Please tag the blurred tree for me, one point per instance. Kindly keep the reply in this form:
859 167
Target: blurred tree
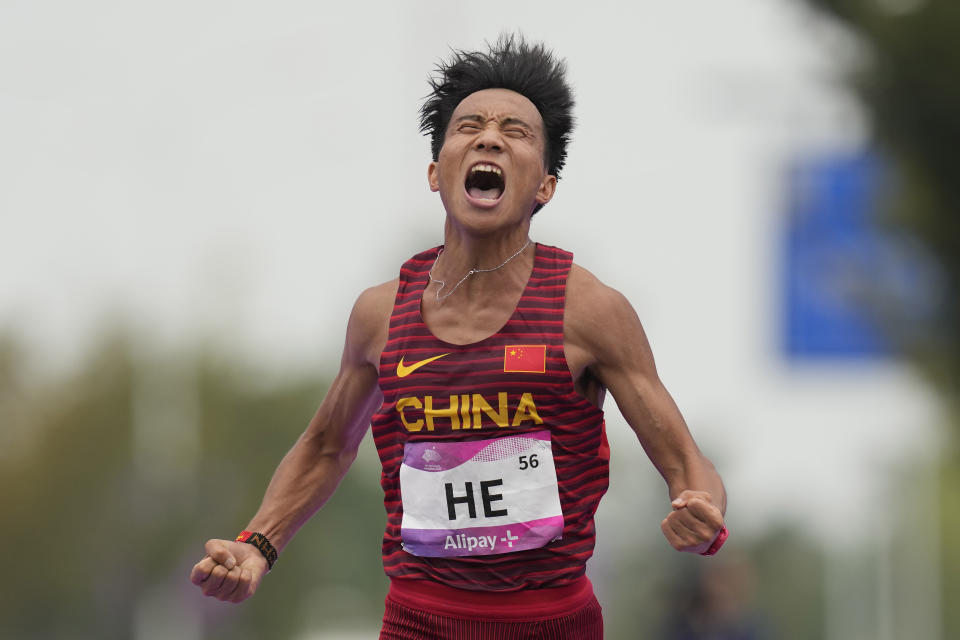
64 507
330 576
908 83
91 536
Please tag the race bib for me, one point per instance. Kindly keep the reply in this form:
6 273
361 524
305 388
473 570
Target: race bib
480 497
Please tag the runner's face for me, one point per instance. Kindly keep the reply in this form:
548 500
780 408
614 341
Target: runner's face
490 170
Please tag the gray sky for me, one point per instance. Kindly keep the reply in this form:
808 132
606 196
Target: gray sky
245 169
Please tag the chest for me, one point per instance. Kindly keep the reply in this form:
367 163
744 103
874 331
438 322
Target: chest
475 311
466 322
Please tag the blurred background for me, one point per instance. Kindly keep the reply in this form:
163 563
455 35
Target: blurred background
194 193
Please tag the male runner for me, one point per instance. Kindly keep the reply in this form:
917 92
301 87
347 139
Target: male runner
483 370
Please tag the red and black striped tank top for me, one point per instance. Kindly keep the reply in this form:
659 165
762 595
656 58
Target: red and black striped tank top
513 382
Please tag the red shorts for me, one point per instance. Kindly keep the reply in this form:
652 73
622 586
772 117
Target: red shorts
421 610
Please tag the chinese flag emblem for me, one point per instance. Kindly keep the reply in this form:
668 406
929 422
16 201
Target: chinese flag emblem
525 358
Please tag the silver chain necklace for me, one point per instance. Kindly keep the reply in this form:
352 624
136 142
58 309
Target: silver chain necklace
469 273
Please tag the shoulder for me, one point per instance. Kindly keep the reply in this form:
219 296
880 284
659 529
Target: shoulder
370 321
590 301
599 323
377 300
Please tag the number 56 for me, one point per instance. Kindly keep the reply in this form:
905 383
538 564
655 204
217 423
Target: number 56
529 461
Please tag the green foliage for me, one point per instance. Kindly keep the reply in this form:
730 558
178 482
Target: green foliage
65 506
949 534
795 603
93 535
909 87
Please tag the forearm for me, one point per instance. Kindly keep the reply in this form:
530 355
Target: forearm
313 468
695 472
305 479
603 337
664 435
311 471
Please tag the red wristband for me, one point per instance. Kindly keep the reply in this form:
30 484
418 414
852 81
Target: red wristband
717 542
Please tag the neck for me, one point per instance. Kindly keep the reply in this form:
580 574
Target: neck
464 251
499 262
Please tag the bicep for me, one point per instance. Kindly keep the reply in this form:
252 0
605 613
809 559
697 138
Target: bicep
354 396
622 360
345 413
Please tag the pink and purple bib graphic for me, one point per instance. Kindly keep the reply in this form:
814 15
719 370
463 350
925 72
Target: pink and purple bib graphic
481 497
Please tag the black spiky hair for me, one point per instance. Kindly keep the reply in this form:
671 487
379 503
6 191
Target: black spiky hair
511 63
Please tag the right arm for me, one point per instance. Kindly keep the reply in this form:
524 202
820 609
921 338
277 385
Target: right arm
311 471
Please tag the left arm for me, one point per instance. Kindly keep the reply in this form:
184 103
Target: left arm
603 339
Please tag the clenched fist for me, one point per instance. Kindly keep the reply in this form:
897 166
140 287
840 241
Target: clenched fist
694 523
231 571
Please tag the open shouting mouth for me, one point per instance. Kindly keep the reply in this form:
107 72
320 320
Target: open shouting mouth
484 184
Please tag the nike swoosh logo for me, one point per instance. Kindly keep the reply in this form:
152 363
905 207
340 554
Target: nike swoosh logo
404 370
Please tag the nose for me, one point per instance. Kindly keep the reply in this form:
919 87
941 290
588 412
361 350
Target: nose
488 139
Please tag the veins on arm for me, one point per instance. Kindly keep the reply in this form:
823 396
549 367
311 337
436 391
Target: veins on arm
345 413
605 341
313 468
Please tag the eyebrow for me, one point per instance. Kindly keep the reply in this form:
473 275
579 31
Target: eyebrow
509 120
516 121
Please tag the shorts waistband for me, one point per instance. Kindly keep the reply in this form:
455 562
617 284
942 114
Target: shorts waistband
525 604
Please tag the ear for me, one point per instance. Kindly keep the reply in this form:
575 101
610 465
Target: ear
547 187
432 178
